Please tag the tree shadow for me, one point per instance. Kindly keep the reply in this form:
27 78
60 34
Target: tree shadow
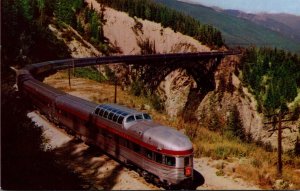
99 170
198 180
24 164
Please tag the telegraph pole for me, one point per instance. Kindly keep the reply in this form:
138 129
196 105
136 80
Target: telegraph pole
73 68
115 101
278 118
69 74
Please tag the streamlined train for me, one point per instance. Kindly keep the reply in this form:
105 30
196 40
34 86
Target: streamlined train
159 153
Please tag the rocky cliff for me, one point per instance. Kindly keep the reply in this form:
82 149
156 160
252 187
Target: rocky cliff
180 92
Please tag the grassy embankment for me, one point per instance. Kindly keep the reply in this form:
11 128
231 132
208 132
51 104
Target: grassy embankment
252 161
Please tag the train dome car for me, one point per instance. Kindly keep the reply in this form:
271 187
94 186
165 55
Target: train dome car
161 152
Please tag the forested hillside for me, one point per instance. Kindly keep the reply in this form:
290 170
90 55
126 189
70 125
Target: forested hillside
26 37
147 9
235 31
273 76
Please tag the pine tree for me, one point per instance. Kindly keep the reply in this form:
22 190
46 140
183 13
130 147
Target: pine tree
235 125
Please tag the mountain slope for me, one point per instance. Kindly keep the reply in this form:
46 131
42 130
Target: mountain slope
285 24
236 31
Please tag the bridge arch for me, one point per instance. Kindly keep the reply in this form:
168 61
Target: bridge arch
202 72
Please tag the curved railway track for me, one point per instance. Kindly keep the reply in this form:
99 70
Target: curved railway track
48 66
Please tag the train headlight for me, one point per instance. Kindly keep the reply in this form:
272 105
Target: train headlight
188 171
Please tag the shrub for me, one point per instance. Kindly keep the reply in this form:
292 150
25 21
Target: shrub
256 163
191 131
109 73
234 124
89 73
156 102
136 88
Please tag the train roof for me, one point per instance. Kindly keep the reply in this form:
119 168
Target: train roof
153 133
167 138
162 136
118 109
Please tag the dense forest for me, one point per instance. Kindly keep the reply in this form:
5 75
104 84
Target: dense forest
26 37
147 9
273 76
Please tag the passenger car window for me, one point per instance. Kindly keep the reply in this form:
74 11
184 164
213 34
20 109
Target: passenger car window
148 153
170 161
158 157
130 118
97 111
135 147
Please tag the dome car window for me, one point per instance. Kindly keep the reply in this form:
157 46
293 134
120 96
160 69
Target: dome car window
110 116
105 114
120 119
97 111
101 112
115 118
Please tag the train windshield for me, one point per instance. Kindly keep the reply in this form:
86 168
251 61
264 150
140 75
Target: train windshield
130 118
137 117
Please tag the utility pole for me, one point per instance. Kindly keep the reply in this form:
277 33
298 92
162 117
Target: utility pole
115 101
73 68
278 118
69 74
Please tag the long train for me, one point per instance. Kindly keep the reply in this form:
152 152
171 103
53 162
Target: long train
160 153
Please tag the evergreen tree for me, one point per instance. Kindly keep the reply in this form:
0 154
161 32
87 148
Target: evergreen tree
235 125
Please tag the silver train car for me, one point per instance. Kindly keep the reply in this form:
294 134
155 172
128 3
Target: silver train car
159 153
